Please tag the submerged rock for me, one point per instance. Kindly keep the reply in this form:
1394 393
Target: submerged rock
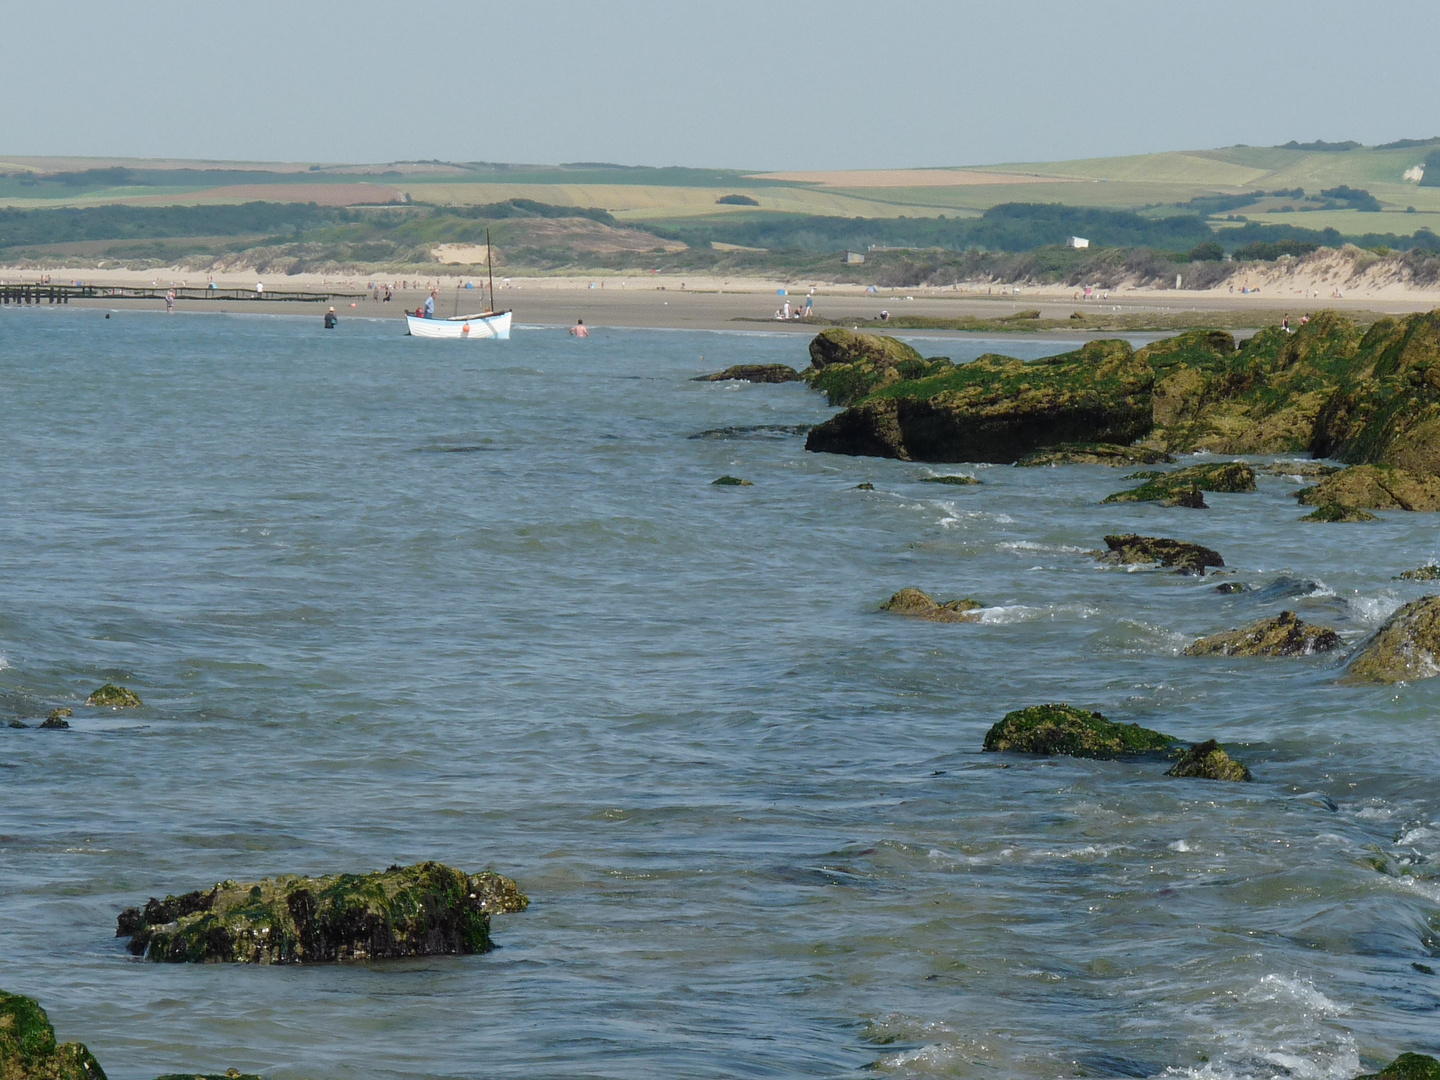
1285 635
957 481
28 1050
56 719
866 486
1206 761
1406 647
1064 729
1231 588
755 373
228 1074
920 605
1335 512
731 481
1428 572
1168 487
419 910
15 724
1095 454
113 697
1128 549
1299 468
1375 487
1407 1067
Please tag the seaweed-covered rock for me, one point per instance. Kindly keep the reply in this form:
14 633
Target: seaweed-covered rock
56 719
1407 1067
1206 761
1335 512
1231 588
1095 454
1299 468
1129 549
920 605
1375 487
1064 729
1285 635
954 481
731 481
419 910
755 373
1167 487
1428 572
847 366
998 409
1407 647
1191 498
865 486
111 696
28 1050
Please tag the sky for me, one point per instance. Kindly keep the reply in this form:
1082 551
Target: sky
750 84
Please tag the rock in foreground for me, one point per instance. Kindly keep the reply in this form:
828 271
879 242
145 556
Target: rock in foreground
920 605
755 373
1285 635
111 696
1128 549
421 910
1064 729
1375 487
1407 1067
28 1050
1096 454
1171 486
1407 647
1206 761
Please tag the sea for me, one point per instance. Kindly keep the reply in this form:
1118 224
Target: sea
388 600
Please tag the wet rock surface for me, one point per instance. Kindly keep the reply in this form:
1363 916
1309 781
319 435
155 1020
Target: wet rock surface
1064 729
1284 635
1233 476
731 481
1375 487
28 1050
920 605
1407 1067
1407 647
1428 572
954 481
1130 549
56 719
1335 512
847 366
421 910
1095 454
111 696
1207 761
755 373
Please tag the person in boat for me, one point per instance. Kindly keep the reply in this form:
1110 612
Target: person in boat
331 319
578 330
429 306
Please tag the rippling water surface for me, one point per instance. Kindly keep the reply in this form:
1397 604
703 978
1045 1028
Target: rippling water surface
388 601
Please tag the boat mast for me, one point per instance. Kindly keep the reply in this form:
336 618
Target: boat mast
490 266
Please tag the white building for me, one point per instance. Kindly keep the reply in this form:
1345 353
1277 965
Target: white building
1077 242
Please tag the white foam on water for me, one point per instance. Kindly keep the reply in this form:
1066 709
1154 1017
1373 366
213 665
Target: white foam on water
1373 609
1301 991
1031 545
1180 845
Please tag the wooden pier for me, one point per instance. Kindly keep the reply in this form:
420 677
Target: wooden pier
35 293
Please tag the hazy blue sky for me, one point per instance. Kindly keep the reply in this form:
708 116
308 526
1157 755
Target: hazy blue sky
744 83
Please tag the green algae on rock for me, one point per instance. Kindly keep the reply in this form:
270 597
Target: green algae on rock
1284 635
731 481
1129 549
1190 498
1407 1067
1231 588
56 719
1428 572
1207 761
113 697
847 366
920 605
1407 647
865 486
956 481
755 373
1375 487
1064 729
1299 468
1335 512
421 910
1215 476
1095 454
28 1050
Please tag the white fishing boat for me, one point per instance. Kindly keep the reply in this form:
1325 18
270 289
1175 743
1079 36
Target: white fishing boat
486 325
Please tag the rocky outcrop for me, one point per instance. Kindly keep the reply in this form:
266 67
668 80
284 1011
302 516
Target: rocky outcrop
419 910
1095 454
111 696
755 373
1064 729
1375 487
1169 487
1336 512
56 719
1428 572
1407 647
731 481
1407 1067
920 605
1207 761
1298 468
997 409
28 1050
847 366
1129 549
1285 635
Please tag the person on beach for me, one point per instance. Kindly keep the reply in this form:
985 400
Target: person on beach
331 319
259 288
578 330
1285 324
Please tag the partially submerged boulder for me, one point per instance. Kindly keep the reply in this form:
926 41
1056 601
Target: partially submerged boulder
1335 512
1190 498
1299 468
1064 729
1231 588
1407 1067
1428 572
731 481
1207 761
1284 635
419 910
1167 487
1407 647
56 719
28 1050
1375 487
954 480
755 373
111 696
1130 549
920 605
1095 454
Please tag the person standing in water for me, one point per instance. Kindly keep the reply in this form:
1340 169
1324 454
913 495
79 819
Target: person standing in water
331 319
578 330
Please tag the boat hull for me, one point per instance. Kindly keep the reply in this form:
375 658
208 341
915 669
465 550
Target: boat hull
463 327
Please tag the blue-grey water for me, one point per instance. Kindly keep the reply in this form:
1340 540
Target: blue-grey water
388 601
